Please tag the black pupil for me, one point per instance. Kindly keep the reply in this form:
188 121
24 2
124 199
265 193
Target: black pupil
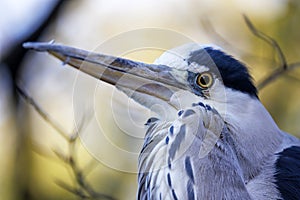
204 79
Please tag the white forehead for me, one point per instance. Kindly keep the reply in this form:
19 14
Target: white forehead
177 57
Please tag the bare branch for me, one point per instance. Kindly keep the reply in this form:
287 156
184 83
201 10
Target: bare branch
272 42
36 149
276 73
220 40
41 112
283 66
62 157
76 191
84 190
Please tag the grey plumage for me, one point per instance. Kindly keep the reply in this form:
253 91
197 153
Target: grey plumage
239 163
217 140
182 173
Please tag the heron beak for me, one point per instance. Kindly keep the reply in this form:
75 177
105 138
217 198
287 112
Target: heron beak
158 81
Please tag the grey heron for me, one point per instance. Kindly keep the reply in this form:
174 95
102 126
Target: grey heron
217 141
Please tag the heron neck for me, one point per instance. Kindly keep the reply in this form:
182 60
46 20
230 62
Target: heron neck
252 128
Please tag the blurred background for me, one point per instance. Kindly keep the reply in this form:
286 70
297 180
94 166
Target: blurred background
33 154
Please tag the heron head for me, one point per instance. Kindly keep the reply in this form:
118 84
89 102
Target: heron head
178 79
193 73
209 75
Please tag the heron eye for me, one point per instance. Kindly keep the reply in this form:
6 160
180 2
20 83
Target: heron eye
205 80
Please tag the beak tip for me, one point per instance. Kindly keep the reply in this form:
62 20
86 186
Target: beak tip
27 45
38 46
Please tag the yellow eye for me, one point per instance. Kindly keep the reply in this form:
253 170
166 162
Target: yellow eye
205 80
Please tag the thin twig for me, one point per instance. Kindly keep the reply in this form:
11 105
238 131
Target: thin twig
41 112
276 73
42 152
69 188
220 40
272 42
283 66
84 190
